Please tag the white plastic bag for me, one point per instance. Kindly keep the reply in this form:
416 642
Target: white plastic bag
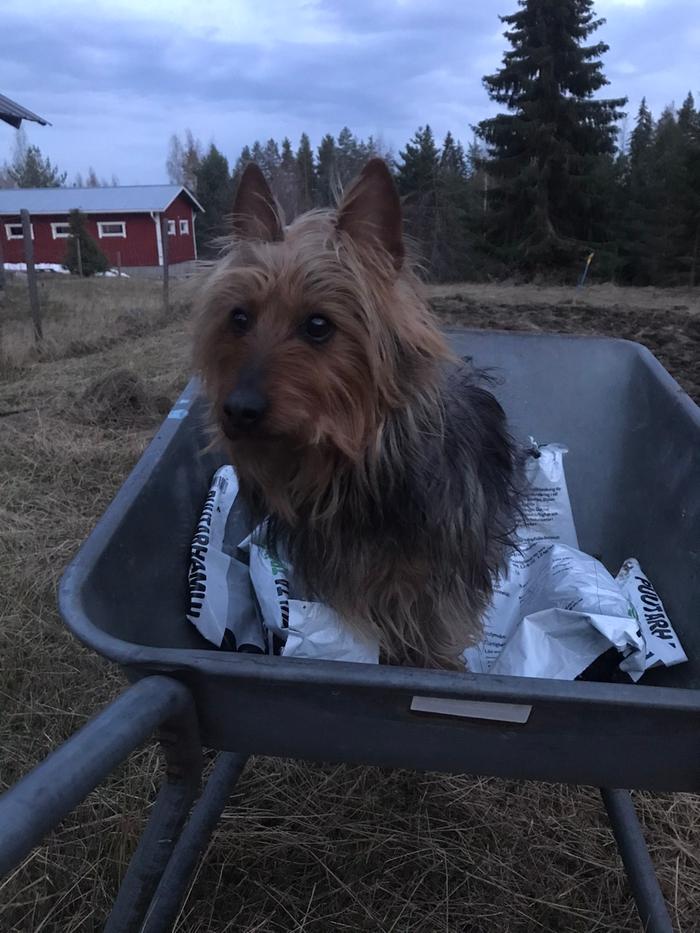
556 609
221 602
553 612
663 646
306 629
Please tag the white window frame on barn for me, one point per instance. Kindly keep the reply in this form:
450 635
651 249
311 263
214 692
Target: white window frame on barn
16 236
101 224
171 228
185 227
58 235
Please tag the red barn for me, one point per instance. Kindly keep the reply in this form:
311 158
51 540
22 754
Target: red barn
125 222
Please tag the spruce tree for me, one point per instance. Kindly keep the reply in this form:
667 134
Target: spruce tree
285 186
215 194
305 174
326 172
257 153
635 231
689 125
92 259
243 159
29 169
669 193
350 156
270 160
417 180
453 257
417 170
544 209
642 136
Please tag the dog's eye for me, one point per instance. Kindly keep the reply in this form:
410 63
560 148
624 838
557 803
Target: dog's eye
239 320
317 328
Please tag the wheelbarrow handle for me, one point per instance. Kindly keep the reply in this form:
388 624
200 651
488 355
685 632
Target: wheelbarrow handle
41 799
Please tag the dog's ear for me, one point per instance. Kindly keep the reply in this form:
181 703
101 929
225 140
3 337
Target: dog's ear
371 210
255 213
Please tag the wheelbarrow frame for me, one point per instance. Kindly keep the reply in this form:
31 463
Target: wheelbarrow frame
182 820
614 743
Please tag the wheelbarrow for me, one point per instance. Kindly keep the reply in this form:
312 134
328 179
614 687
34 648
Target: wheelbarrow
634 479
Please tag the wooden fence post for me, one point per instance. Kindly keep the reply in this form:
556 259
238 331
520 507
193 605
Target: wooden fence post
79 255
2 265
31 275
164 238
119 262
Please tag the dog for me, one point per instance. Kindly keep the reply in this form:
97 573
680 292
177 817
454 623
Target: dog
381 465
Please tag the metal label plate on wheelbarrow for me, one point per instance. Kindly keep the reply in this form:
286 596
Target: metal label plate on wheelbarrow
634 477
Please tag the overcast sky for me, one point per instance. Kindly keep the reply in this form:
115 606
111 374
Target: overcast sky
117 77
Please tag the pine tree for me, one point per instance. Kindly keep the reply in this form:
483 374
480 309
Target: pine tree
642 136
453 258
257 154
286 155
668 200
305 174
215 194
243 159
689 125
29 169
417 170
92 259
270 160
635 231
326 172
350 156
417 180
285 187
543 152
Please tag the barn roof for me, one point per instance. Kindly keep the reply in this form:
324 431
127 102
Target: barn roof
13 113
120 199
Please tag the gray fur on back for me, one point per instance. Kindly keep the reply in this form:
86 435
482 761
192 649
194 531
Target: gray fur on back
410 548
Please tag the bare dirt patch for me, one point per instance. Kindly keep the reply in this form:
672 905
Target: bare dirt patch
668 323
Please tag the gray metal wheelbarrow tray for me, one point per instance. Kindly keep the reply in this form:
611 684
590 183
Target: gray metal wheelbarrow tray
634 478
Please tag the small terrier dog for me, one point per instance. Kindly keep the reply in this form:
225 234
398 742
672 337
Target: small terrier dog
382 464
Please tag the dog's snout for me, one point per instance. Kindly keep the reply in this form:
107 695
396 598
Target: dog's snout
244 408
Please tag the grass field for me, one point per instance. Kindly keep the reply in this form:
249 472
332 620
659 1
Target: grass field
301 847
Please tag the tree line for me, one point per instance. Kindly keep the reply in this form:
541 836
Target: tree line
637 207
28 168
545 183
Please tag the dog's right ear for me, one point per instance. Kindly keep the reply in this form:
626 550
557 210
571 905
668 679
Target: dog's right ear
255 213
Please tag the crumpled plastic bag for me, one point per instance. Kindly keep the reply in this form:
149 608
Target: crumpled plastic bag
553 613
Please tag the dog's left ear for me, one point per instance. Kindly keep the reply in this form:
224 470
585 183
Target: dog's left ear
371 210
255 213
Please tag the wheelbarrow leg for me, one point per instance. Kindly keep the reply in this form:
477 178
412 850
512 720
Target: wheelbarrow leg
637 861
164 908
183 754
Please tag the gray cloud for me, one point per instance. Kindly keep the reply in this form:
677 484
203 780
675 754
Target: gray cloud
116 87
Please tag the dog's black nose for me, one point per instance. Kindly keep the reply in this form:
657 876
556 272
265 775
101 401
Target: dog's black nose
244 408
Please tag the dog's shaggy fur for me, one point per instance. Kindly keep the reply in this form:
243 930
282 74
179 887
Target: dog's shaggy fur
383 464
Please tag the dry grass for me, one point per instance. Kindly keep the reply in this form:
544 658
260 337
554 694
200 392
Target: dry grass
301 848
80 317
